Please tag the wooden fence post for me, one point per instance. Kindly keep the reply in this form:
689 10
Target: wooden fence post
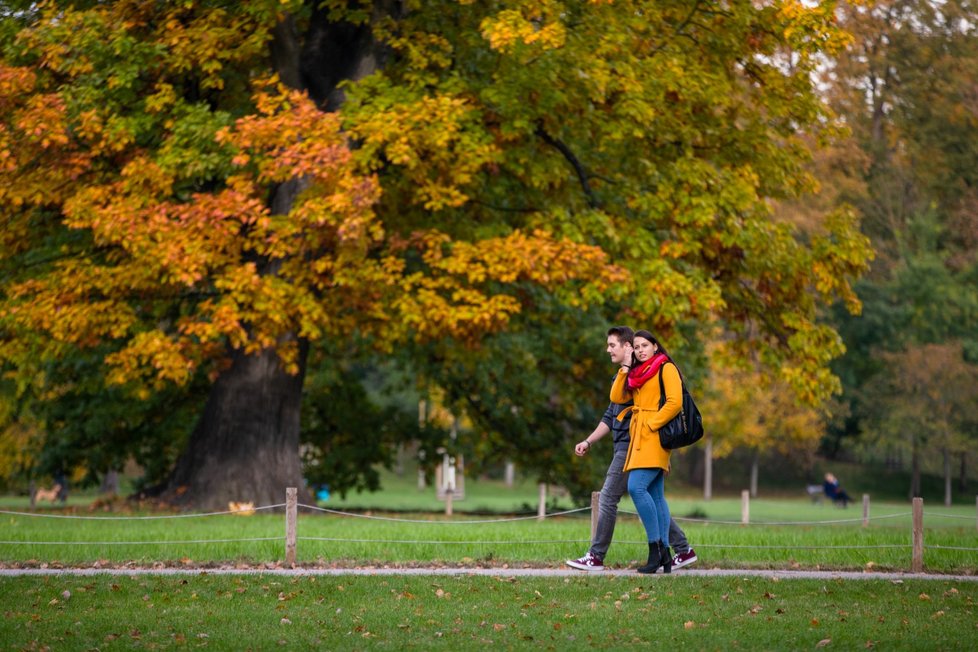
595 503
917 557
745 506
865 510
291 501
542 508
976 512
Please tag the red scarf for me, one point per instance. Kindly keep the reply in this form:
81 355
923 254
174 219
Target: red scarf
639 375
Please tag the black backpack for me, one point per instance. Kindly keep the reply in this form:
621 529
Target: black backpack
687 427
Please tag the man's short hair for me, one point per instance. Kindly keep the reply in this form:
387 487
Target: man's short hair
623 333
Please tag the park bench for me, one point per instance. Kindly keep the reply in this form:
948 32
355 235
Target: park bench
815 492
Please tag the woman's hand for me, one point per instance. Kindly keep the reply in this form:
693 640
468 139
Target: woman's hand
626 362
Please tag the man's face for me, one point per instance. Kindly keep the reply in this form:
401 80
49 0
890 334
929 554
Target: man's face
618 350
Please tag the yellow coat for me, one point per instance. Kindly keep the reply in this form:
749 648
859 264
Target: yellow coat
644 450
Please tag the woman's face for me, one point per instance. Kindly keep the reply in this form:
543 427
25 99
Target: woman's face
644 349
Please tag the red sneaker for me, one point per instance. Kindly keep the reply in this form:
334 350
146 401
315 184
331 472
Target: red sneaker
586 563
684 559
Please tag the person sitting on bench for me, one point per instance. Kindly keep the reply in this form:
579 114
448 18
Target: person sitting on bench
834 491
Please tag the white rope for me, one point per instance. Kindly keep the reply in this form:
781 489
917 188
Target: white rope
967 518
846 520
420 541
139 518
131 543
579 541
431 522
733 545
939 547
435 542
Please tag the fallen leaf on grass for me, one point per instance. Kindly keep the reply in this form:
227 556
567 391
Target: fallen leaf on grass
689 624
823 642
924 596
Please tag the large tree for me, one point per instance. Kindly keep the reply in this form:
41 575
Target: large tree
206 189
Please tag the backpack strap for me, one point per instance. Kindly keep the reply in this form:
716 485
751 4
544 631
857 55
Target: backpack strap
662 386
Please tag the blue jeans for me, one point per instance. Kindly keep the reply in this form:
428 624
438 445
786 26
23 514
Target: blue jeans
647 489
615 486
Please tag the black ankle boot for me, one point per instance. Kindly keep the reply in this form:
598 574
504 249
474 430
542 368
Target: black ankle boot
666 559
655 559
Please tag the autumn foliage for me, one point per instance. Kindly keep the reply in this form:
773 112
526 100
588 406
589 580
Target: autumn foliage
244 277
176 196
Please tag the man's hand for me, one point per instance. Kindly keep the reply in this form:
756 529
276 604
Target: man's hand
582 448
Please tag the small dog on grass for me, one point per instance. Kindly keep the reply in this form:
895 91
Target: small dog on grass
241 509
49 495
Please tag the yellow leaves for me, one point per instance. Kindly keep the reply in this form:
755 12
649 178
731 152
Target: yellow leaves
459 293
425 54
532 24
162 99
437 141
69 307
206 40
802 23
150 350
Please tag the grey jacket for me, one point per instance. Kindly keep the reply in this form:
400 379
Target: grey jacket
619 429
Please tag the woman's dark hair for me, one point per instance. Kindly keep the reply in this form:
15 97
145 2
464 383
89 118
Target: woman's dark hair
650 337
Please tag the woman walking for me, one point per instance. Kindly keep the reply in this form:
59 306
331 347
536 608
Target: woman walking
647 461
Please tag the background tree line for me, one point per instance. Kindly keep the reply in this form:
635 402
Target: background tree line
233 229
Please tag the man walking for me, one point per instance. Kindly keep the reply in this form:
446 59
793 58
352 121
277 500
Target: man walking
615 482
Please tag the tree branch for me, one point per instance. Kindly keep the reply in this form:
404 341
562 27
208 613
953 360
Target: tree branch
582 175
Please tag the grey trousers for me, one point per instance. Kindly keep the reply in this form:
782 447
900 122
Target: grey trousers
615 486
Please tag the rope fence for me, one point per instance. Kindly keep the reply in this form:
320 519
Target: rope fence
291 505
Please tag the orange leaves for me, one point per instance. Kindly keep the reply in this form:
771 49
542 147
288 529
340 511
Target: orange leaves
72 306
15 82
290 137
37 159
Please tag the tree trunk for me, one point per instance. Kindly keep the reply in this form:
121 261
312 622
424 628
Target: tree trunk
947 477
963 473
708 469
914 471
754 464
245 447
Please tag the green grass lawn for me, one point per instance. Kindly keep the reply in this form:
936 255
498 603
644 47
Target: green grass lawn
466 612
469 612
782 534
